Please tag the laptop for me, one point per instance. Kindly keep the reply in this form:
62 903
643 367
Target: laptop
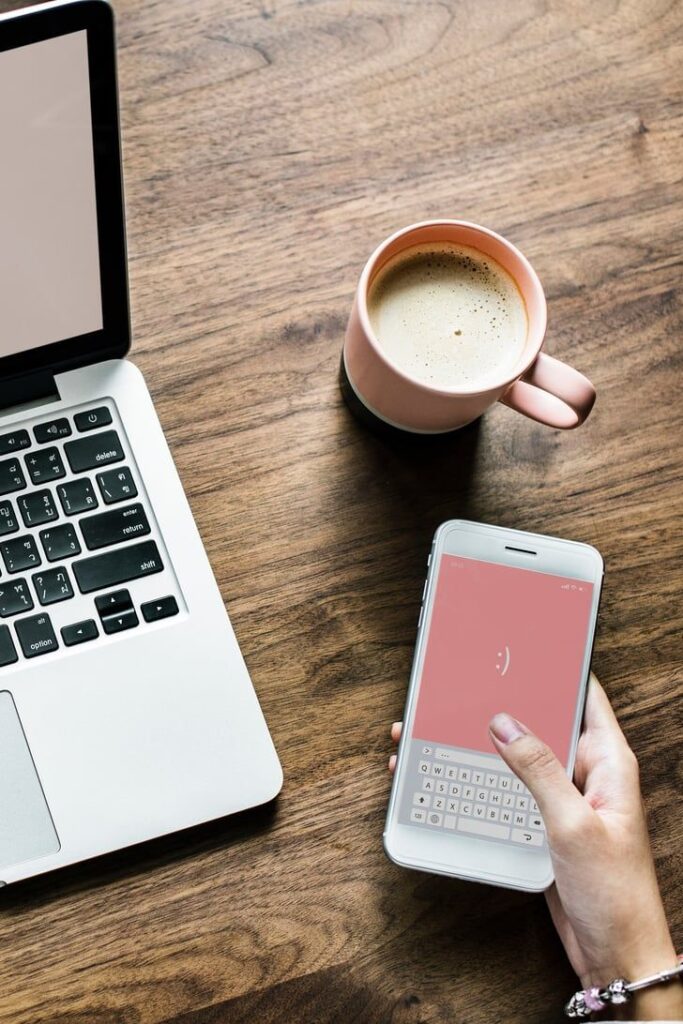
126 709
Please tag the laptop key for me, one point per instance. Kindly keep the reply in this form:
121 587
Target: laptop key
92 419
14 442
79 632
116 611
52 585
117 623
96 450
20 553
50 431
15 597
60 542
11 476
152 611
37 507
119 566
8 652
117 485
36 635
114 526
45 465
8 519
77 496
114 603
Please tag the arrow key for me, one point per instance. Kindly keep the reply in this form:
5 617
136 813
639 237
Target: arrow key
116 611
79 632
117 623
161 609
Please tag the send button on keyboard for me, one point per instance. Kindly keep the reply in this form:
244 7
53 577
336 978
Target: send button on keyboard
520 835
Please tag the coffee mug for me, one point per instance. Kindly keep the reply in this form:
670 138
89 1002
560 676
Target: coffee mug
539 386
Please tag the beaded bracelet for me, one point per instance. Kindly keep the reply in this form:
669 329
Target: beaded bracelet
590 1000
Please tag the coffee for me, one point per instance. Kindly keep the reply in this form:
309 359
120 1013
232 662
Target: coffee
448 315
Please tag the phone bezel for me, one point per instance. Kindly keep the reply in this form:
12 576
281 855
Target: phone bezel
455 854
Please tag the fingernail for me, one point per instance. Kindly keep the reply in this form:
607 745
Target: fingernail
506 728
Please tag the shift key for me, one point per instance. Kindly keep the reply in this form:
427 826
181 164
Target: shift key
118 566
94 450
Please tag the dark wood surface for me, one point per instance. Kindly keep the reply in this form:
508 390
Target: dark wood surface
268 147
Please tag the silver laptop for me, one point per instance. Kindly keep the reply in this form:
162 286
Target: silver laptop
126 710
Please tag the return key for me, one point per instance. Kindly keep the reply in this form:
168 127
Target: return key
112 527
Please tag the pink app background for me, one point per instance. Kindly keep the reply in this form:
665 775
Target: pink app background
502 639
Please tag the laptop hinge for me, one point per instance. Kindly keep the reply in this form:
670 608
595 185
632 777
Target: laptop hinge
33 389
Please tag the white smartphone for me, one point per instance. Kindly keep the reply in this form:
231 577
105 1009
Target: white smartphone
506 624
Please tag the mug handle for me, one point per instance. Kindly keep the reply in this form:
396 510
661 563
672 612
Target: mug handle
551 392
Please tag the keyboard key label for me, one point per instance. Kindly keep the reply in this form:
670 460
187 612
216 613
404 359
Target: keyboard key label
114 526
15 597
92 419
52 585
79 632
20 553
14 442
164 608
36 635
97 449
45 465
77 496
116 485
11 476
118 566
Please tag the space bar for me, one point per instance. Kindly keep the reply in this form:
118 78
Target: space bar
118 566
483 828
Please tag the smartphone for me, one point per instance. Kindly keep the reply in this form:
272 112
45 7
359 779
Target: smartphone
507 624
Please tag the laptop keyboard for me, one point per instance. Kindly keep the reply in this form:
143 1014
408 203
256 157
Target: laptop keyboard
81 556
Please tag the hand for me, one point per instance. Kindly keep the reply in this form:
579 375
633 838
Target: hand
605 902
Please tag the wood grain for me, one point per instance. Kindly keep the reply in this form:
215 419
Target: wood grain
269 145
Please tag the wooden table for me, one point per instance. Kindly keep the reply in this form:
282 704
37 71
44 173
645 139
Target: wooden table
269 145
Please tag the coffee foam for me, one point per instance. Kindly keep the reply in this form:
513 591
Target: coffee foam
448 315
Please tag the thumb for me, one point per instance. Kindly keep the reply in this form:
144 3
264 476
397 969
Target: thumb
532 761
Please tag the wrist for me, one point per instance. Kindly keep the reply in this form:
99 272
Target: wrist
637 956
636 960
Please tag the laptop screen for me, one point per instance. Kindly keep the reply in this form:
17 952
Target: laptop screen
63 269
49 255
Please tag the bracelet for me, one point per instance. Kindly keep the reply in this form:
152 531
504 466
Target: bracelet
590 1000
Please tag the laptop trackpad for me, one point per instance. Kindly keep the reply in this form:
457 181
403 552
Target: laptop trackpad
26 829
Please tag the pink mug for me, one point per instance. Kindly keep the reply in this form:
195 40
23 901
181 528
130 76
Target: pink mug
539 386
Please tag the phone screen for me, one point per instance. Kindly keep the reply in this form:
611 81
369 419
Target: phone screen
501 638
